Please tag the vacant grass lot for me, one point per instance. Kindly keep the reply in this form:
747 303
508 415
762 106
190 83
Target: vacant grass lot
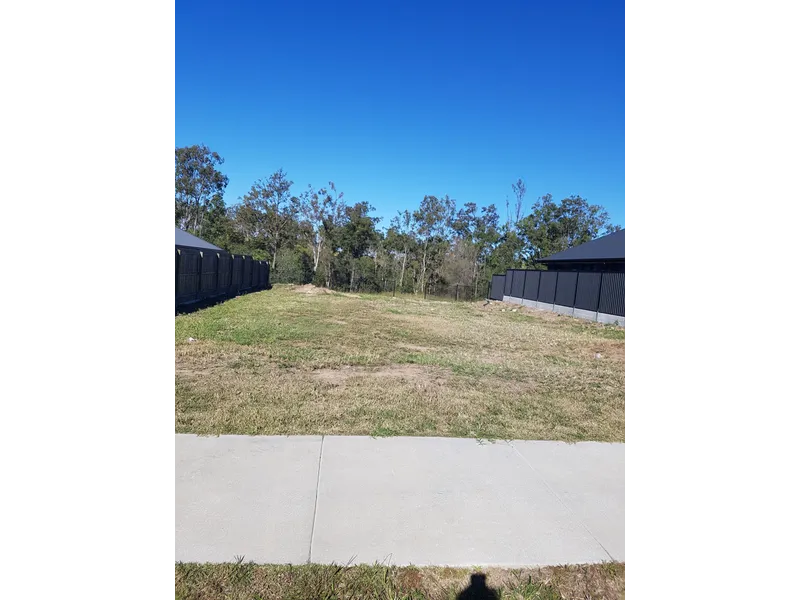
300 360
240 581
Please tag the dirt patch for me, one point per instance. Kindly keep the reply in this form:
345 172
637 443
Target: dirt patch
311 289
414 347
493 359
192 372
546 315
413 373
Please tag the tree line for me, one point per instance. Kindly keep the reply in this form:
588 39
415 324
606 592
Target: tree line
316 236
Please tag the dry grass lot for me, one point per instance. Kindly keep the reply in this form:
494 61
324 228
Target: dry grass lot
302 360
242 581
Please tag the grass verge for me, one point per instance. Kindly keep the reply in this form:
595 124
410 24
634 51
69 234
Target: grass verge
240 581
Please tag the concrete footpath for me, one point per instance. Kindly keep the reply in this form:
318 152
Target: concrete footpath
402 500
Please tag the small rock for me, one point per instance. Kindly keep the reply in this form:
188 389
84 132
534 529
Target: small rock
598 355
513 310
191 340
502 310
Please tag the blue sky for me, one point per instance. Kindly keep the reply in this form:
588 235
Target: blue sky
395 100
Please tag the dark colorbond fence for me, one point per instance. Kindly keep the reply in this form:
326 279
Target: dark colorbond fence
211 275
596 296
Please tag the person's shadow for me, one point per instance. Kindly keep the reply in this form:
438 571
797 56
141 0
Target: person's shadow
478 590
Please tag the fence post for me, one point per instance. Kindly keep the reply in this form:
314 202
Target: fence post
538 287
489 290
524 283
200 276
599 297
575 295
177 276
555 292
456 292
216 276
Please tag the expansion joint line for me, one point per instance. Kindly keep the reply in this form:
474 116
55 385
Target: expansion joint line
316 498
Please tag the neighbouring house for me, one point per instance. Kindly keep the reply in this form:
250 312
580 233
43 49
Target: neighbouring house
605 254
587 281
184 239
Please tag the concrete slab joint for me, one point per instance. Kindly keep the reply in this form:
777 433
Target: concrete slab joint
424 501
563 310
589 315
610 319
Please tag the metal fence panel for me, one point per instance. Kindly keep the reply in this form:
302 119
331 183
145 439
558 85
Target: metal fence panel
247 273
188 279
208 275
547 287
531 291
261 271
507 284
612 294
565 291
237 264
223 273
518 284
587 296
256 274
498 285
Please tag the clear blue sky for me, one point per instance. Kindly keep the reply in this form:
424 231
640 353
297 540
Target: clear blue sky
395 100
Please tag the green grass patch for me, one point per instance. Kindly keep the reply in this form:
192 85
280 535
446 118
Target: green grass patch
287 362
247 581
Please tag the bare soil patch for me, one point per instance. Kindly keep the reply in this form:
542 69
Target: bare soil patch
311 289
414 347
412 373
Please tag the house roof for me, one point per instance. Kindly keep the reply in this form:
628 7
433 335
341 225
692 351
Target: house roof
183 238
606 248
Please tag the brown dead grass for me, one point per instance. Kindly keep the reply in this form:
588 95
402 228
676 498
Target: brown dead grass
310 289
242 581
278 362
412 373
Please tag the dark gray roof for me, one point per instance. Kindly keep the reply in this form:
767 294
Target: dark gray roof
187 239
608 247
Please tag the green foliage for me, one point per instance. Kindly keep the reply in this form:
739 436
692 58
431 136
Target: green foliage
199 187
292 266
552 227
317 237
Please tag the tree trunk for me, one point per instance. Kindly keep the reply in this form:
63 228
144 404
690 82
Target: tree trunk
424 271
317 252
196 216
352 275
403 270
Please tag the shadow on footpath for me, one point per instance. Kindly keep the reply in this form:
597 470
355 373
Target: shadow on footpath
478 590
